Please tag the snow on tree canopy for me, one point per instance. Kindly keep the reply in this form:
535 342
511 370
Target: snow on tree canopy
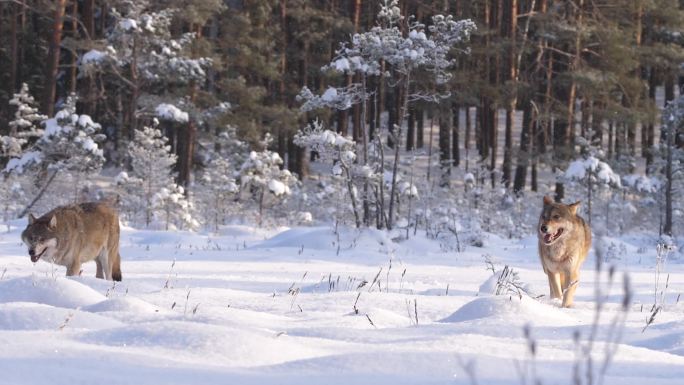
93 56
261 170
386 43
69 142
338 98
121 177
641 183
27 116
329 145
341 65
142 37
25 125
316 138
278 188
172 113
27 159
600 171
329 95
408 189
128 24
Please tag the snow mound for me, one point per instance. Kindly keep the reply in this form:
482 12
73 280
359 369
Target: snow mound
506 308
33 316
381 319
420 246
672 343
235 347
59 292
149 237
489 286
669 338
323 238
247 233
311 238
124 304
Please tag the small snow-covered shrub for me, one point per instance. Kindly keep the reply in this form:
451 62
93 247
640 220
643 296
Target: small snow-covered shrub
216 190
341 152
593 174
262 180
149 194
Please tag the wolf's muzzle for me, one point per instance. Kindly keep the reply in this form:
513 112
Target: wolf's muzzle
34 257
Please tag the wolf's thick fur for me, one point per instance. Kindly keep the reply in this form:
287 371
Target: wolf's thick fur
74 234
564 242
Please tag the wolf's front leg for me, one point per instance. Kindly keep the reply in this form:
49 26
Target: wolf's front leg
74 269
554 284
569 288
103 260
99 273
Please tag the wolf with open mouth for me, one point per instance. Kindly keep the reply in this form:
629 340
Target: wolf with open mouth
564 242
74 234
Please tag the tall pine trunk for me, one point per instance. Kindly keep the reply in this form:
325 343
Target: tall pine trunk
420 127
456 126
411 130
14 49
466 139
88 21
524 153
73 69
356 112
648 139
52 69
445 128
513 101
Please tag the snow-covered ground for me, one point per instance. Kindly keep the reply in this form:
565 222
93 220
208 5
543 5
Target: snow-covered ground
254 306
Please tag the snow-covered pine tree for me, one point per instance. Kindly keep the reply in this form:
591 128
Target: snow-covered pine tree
423 49
27 119
174 209
68 149
216 188
154 66
142 38
12 198
149 194
261 177
338 149
25 128
229 146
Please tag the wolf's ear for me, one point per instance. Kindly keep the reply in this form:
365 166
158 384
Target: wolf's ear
547 201
53 222
31 219
573 207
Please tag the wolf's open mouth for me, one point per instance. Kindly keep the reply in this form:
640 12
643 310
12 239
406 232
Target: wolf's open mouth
549 238
35 258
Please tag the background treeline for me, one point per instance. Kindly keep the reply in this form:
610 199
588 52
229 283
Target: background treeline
548 71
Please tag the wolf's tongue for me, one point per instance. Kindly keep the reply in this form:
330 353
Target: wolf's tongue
547 237
36 257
